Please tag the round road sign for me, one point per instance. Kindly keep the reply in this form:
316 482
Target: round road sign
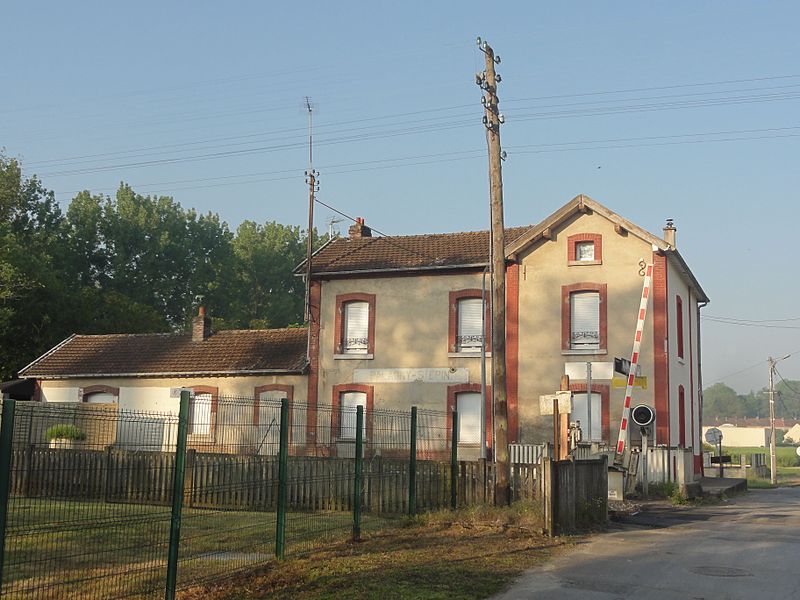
643 415
713 435
797 451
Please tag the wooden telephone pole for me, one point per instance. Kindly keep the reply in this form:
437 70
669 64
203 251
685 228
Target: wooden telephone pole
313 188
492 119
773 463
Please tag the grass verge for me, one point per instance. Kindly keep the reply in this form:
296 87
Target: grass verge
469 554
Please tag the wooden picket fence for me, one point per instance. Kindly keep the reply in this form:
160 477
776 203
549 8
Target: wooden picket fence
250 482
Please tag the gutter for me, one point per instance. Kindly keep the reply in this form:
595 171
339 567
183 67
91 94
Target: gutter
172 374
700 373
399 270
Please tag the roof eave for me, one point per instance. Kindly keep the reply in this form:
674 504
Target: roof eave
322 274
46 354
674 255
299 269
212 373
581 203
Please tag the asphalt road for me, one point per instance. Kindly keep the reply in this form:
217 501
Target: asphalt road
745 548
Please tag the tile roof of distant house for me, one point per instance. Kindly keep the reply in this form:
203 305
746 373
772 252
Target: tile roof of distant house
231 352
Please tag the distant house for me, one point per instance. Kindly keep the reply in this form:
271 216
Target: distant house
146 373
793 434
733 436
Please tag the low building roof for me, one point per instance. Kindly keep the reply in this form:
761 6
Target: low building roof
231 352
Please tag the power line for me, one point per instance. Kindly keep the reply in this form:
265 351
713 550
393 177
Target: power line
615 110
791 387
753 366
740 324
654 88
754 320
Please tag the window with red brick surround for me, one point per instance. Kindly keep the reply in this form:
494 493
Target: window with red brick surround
339 338
574 240
679 324
452 326
452 397
566 316
272 387
214 392
336 402
605 393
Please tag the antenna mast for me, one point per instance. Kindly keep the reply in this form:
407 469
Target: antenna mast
311 180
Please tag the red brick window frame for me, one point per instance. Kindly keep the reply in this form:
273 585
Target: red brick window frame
681 417
605 394
272 387
336 403
339 339
99 389
452 326
679 323
566 313
452 401
572 245
212 427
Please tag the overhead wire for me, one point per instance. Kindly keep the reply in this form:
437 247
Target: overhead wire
521 117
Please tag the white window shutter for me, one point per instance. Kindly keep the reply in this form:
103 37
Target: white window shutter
200 414
468 405
348 403
585 320
356 327
267 434
469 324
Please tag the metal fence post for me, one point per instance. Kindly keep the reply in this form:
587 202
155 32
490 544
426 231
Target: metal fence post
454 463
412 466
177 497
6 440
283 464
359 466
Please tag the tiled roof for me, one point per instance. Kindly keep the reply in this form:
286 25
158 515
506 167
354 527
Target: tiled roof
164 354
407 252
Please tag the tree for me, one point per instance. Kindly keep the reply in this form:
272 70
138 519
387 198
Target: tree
31 293
721 401
268 294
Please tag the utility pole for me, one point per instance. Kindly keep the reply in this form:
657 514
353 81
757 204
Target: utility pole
492 120
313 188
773 462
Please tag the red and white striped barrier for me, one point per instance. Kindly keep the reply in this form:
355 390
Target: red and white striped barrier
637 342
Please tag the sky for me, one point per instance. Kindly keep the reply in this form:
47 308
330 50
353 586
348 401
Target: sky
682 110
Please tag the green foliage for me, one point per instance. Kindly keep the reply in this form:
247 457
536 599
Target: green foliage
132 264
721 403
669 490
65 431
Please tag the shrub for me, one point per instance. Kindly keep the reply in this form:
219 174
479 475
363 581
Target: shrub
65 432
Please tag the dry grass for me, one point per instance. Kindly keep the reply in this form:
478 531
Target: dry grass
467 554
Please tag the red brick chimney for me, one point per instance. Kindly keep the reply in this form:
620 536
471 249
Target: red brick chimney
359 230
201 326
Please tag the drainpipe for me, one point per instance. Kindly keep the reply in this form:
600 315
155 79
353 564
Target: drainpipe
483 363
700 380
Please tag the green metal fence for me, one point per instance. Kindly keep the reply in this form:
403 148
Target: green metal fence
143 503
